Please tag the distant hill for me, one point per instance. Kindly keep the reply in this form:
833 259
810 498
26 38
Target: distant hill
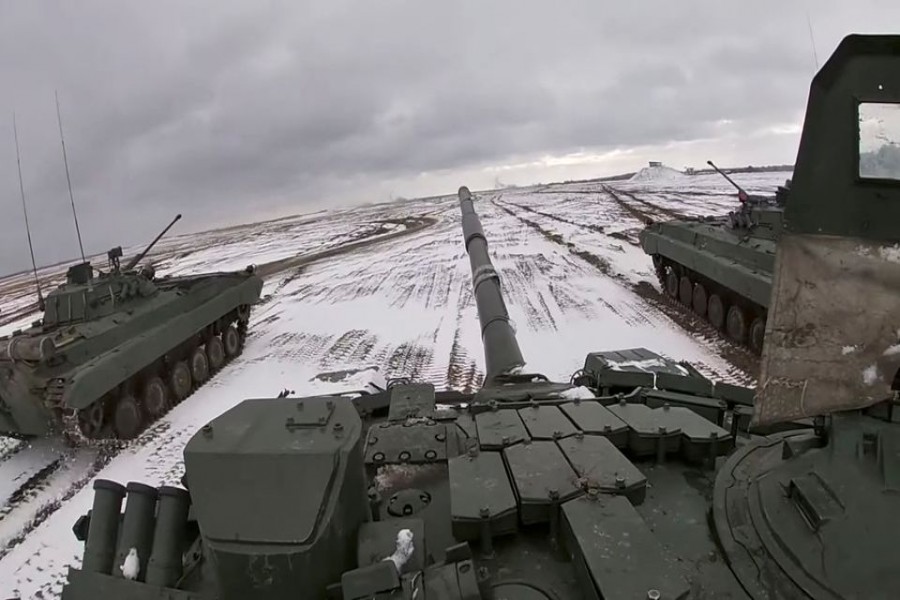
657 173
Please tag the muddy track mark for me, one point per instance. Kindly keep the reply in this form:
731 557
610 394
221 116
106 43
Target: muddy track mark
745 363
408 360
10 448
594 228
105 455
744 360
458 360
471 379
635 212
601 264
666 211
272 268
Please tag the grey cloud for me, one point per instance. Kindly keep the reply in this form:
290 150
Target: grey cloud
230 109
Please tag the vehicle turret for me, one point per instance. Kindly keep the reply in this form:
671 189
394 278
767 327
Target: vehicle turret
115 350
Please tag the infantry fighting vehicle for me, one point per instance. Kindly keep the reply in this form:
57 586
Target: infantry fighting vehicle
115 350
721 266
637 480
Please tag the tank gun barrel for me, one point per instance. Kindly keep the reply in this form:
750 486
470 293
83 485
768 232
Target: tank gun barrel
742 194
134 261
501 349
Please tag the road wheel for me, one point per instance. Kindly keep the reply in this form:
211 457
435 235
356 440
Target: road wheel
215 352
180 381
232 341
757 334
199 366
659 268
128 417
736 324
715 312
685 290
698 300
90 420
671 283
156 398
243 312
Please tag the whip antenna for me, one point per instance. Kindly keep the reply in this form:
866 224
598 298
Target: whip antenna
37 282
68 179
812 40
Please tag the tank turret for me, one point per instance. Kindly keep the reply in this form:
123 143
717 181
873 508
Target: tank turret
639 478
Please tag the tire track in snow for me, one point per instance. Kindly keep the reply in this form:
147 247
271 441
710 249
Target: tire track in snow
588 226
740 369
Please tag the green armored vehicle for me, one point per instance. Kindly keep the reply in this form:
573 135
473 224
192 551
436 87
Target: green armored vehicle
115 350
637 480
721 266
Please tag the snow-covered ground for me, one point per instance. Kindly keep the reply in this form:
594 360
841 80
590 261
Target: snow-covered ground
402 307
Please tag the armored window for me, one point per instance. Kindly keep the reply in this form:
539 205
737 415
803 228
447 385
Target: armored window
879 140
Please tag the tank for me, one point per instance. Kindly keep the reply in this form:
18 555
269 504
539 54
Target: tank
720 267
638 478
115 350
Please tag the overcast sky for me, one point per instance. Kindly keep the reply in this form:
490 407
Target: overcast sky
236 111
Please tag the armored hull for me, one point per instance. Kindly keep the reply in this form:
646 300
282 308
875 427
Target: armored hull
113 354
720 271
720 267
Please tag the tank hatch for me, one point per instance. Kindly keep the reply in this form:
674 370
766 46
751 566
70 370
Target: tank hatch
287 468
819 520
246 454
608 539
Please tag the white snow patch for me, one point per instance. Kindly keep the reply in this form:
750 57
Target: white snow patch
849 350
131 565
870 375
370 380
460 406
578 393
404 549
645 365
891 253
892 350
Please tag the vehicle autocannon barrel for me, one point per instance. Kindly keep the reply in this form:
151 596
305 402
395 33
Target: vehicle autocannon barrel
23 347
501 349
134 261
